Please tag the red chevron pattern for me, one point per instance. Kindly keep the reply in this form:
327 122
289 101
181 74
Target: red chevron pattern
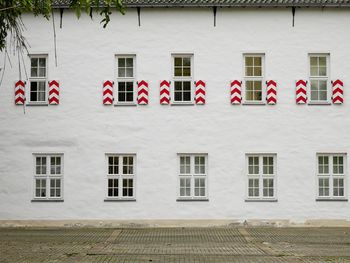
236 94
142 92
164 92
300 91
200 92
271 92
338 93
19 92
108 92
54 92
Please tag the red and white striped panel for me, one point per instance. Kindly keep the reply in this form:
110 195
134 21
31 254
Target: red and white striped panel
271 92
108 92
236 92
142 92
164 92
19 92
200 92
54 92
338 92
300 91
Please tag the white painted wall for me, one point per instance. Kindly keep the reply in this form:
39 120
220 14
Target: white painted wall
84 130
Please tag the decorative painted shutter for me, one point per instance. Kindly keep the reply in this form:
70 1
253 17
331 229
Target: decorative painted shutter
271 92
236 94
19 92
142 92
54 92
200 92
108 92
300 91
165 92
337 93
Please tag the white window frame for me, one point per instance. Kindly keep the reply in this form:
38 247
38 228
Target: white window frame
325 78
37 79
176 78
48 176
125 79
331 176
254 78
120 176
192 176
261 176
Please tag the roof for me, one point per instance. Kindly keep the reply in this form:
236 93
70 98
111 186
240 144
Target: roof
223 3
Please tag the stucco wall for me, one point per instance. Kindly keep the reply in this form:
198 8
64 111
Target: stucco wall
84 130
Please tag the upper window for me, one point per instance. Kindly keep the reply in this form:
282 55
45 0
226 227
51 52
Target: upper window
261 172
182 79
38 79
120 176
48 176
192 176
253 77
126 80
331 171
319 74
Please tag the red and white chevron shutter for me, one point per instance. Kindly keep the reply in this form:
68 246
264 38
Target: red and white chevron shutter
164 92
300 91
54 92
108 92
338 92
200 92
271 92
142 92
236 92
19 92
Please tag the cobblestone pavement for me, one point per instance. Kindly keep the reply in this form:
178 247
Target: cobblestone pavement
224 244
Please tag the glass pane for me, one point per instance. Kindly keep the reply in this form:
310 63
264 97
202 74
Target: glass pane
178 72
34 72
121 62
257 61
186 72
248 61
178 61
257 71
130 62
322 71
34 62
313 61
42 62
249 71
322 61
314 71
121 72
129 72
42 72
186 62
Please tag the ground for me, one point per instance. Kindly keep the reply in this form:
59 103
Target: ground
221 244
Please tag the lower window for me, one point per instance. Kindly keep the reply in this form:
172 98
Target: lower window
48 176
120 176
261 173
331 176
192 176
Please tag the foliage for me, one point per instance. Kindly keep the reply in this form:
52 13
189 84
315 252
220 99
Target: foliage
12 26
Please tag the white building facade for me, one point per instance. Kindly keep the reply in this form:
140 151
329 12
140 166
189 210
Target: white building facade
181 113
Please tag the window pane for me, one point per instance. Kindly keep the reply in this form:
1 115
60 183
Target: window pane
248 61
186 62
121 72
130 62
121 62
178 61
186 71
129 72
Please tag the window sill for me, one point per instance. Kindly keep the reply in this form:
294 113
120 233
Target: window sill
125 104
311 103
261 200
331 200
47 200
192 200
119 200
254 103
182 104
37 104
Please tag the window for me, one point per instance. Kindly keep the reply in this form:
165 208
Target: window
319 78
261 171
182 79
38 80
192 176
253 77
331 171
126 80
48 176
120 176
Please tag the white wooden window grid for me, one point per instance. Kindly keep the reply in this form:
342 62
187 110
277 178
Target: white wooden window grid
182 85
38 81
192 176
121 176
261 176
126 80
331 176
254 91
48 176
319 84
